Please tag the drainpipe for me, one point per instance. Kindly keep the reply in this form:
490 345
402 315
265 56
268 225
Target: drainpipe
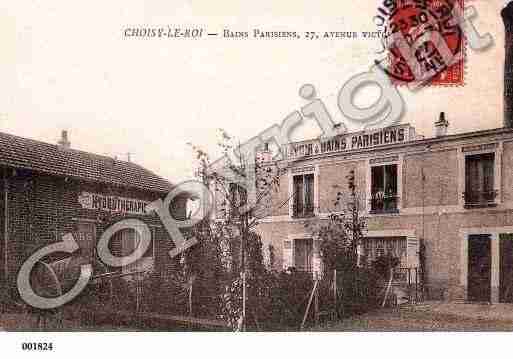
6 223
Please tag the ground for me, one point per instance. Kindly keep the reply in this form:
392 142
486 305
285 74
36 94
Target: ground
431 317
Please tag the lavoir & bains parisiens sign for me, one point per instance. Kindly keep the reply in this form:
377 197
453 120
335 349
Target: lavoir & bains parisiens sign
351 141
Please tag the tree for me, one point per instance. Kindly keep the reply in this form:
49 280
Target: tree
340 237
342 233
242 187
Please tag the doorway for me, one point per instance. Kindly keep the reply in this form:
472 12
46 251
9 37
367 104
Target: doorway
479 268
506 268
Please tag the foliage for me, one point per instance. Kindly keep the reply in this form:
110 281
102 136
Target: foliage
341 234
242 188
287 299
383 264
358 292
231 310
255 273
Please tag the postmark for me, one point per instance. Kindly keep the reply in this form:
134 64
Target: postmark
430 30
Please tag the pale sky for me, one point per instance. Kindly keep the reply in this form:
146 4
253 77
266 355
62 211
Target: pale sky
66 65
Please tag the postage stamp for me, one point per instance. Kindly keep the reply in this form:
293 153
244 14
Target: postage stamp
428 27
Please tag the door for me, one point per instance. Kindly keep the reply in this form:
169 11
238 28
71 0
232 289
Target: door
3 257
479 268
506 268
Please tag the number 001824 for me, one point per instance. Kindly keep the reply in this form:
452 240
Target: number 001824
37 346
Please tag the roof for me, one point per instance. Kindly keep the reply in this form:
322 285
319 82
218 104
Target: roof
20 152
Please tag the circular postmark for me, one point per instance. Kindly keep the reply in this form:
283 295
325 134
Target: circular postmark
428 28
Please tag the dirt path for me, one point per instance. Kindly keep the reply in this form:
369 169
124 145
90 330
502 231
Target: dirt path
417 319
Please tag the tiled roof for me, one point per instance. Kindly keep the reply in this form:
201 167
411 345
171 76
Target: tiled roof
52 159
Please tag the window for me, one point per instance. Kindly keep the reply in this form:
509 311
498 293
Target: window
85 236
479 180
303 254
384 188
303 187
125 242
237 196
377 247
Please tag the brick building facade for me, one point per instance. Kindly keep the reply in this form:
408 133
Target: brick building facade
49 190
451 195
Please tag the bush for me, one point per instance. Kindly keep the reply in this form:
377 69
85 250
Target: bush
383 264
282 298
357 291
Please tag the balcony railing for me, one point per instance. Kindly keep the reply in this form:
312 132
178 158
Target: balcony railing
475 199
303 211
384 203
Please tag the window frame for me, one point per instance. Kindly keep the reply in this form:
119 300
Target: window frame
238 197
480 149
289 255
380 162
93 224
304 171
306 212
311 255
122 248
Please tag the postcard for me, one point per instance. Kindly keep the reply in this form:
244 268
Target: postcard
272 166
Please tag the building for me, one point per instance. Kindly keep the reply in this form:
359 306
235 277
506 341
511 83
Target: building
50 190
453 194
444 203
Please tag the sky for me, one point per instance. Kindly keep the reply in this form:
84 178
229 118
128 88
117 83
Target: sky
67 66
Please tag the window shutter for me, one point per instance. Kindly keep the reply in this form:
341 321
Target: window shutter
488 172
412 253
287 254
298 195
85 237
309 192
316 257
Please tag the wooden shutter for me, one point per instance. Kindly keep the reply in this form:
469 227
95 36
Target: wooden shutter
472 181
288 252
86 239
316 260
412 251
309 192
488 172
298 195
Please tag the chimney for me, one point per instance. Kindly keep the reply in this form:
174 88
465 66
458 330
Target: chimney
63 142
441 126
507 17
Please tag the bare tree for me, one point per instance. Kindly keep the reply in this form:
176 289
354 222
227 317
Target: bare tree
243 188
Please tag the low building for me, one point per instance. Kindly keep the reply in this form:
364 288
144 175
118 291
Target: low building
50 190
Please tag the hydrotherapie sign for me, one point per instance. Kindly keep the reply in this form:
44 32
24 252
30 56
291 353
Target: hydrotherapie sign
352 141
112 203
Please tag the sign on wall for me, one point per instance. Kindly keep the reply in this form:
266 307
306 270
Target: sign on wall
112 203
352 141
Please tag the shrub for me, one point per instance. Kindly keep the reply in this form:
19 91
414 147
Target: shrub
383 264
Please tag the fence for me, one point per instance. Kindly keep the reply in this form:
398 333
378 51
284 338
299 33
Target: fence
335 297
276 301
408 285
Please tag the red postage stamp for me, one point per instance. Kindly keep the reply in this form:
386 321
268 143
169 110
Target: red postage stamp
424 41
